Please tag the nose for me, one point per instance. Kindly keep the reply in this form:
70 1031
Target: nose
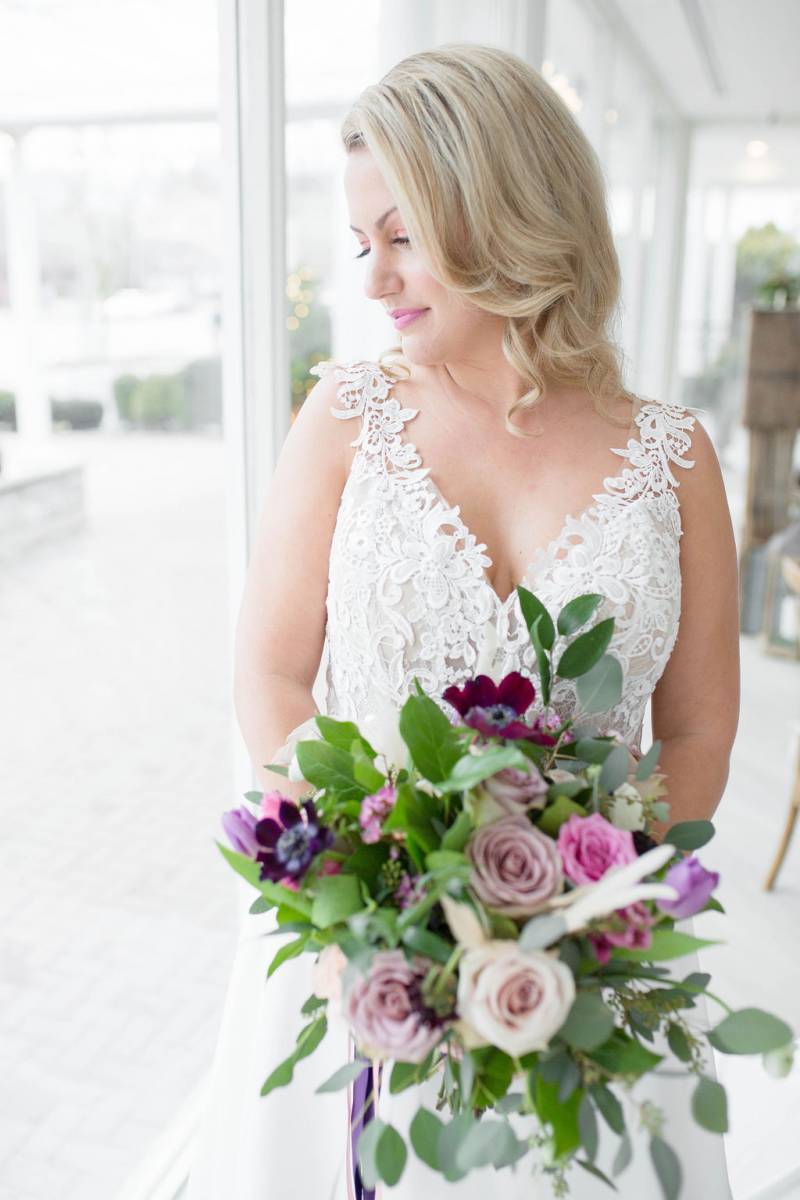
382 277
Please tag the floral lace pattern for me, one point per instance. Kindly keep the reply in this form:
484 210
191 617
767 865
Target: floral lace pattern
408 595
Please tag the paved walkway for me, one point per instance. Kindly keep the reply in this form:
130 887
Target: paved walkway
117 910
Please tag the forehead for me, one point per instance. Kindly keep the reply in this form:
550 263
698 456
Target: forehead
368 196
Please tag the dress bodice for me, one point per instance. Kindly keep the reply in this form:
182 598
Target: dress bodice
408 594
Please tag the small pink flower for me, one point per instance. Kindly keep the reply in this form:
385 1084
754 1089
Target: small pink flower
590 846
374 809
637 934
330 866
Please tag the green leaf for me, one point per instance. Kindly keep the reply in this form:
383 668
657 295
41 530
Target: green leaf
367 1151
593 1169
582 654
367 776
307 1041
600 688
366 862
472 769
710 1105
342 734
487 1142
312 1004
442 859
405 1074
542 659
390 1155
587 1124
690 835
593 750
609 1106
290 950
533 610
557 813
280 895
622 1055
434 743
665 944
678 1043
450 1139
589 1023
668 1167
337 897
648 762
623 1156
457 836
562 1116
248 868
276 768
495 1070
329 767
427 943
615 769
750 1031
341 1078
578 612
425 1130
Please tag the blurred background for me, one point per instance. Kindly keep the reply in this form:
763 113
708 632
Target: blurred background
174 257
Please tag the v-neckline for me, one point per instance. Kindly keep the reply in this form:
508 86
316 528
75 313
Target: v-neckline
586 515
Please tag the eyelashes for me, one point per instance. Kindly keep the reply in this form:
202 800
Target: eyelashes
403 242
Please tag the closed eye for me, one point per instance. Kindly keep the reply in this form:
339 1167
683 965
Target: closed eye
403 242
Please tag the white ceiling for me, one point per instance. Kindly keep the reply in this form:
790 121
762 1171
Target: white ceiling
720 60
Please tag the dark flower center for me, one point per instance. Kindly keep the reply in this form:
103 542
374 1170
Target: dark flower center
292 844
495 714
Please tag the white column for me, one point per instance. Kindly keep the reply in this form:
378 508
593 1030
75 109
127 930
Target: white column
255 356
22 247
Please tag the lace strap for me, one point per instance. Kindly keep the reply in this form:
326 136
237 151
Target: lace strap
365 391
664 439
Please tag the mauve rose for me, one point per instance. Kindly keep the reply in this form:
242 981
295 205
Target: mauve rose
693 883
514 999
385 1009
590 846
516 789
516 868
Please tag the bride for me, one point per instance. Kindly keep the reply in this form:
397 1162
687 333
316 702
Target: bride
479 216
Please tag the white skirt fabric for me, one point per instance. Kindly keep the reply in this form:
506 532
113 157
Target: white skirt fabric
292 1144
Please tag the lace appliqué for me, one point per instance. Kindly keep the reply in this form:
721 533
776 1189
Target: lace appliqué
408 593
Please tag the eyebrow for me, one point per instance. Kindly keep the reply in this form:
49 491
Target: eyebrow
380 220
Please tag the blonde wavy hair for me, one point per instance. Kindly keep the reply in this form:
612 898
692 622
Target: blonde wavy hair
504 197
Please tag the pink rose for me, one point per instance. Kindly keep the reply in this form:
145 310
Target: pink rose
636 935
386 1012
512 998
516 867
590 846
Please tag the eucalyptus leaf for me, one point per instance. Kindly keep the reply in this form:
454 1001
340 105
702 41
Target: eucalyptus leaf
750 1031
690 835
609 1106
667 1167
649 761
615 769
589 1023
587 1124
624 1155
425 1130
710 1105
344 1076
600 688
367 1151
390 1155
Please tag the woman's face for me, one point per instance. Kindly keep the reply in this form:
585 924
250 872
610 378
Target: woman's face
450 329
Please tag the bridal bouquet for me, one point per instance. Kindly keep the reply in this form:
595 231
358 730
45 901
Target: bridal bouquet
490 912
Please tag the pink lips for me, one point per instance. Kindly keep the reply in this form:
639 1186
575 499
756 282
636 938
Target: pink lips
406 316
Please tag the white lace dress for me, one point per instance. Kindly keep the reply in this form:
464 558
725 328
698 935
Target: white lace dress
409 596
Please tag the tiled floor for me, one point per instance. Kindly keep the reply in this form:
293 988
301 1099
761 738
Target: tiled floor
117 909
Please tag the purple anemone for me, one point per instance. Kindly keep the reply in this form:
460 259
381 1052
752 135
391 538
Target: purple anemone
494 708
291 842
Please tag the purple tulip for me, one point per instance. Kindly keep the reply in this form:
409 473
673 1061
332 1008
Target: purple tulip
693 883
240 829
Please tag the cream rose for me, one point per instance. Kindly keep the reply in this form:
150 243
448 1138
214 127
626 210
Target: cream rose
514 999
326 973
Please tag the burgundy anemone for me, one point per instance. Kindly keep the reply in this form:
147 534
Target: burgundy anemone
494 708
290 842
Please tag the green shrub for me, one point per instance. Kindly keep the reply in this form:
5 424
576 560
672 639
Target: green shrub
8 411
77 414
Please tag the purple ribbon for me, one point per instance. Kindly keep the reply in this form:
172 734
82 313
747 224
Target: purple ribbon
361 1111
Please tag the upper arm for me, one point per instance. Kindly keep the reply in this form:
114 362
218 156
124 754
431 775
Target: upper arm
698 692
281 622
